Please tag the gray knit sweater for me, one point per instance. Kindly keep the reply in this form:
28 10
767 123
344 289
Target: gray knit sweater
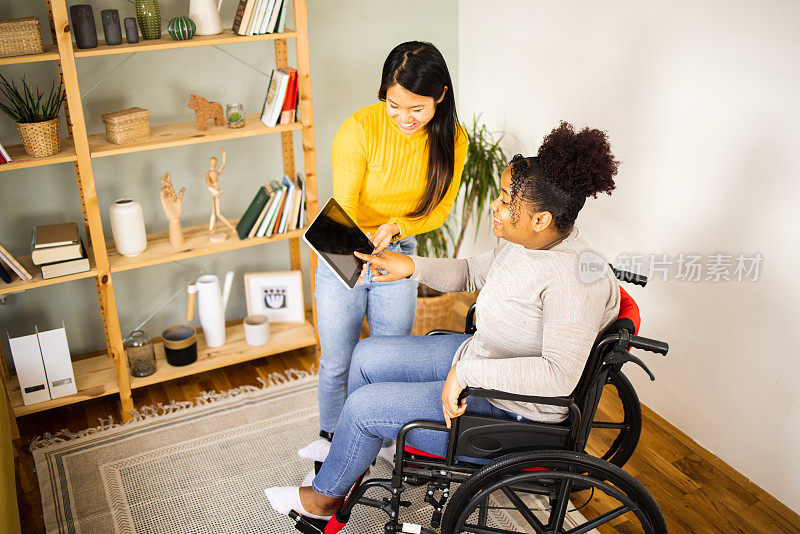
536 319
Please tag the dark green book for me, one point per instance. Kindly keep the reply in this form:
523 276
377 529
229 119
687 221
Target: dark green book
253 211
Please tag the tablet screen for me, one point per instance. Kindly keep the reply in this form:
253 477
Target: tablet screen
334 236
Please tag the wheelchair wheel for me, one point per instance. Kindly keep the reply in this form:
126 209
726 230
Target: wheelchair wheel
615 439
535 492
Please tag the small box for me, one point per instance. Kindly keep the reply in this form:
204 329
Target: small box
127 125
30 368
20 37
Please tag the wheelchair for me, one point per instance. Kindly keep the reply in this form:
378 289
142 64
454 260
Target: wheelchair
539 472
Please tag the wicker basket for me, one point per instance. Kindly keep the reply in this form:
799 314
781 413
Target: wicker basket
19 37
127 125
434 312
41 139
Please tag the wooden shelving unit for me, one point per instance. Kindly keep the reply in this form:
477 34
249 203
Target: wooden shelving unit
106 372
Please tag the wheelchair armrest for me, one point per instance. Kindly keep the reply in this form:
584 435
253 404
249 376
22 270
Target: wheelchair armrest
503 395
441 331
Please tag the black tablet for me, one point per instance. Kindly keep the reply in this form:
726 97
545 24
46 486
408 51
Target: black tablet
334 236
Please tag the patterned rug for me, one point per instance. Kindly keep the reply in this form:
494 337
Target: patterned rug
199 468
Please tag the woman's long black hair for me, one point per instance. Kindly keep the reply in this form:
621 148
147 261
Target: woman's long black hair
419 67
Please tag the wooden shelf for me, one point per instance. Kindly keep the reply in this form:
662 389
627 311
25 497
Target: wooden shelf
94 377
50 54
166 43
196 244
37 281
20 160
184 133
283 337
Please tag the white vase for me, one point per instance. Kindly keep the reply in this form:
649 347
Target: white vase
205 16
127 227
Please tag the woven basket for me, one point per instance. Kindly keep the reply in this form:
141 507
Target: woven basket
434 312
19 37
41 139
127 125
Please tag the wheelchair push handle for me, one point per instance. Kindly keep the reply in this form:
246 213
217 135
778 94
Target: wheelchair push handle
627 276
652 345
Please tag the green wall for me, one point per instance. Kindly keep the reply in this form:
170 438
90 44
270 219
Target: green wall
349 41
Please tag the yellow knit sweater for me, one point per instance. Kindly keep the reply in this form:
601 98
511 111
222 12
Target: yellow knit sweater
379 173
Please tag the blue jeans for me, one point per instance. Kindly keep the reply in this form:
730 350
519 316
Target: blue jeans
393 380
390 308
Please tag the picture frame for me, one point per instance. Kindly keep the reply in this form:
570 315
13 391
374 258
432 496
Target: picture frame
276 294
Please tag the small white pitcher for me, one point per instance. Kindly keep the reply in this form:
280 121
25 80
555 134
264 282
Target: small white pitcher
205 16
211 306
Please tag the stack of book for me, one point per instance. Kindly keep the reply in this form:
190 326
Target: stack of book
254 17
4 157
58 250
11 266
277 208
280 104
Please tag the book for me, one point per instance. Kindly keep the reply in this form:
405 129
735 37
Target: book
251 213
258 17
279 213
282 18
12 262
54 235
301 217
287 209
287 111
267 16
41 256
247 17
4 276
64 268
263 213
273 18
273 103
4 155
237 19
295 211
269 218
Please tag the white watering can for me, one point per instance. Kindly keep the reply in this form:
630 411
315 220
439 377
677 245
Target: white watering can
205 16
211 306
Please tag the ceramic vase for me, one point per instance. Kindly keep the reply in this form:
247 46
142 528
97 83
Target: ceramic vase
205 15
149 16
127 227
83 26
181 28
111 27
131 30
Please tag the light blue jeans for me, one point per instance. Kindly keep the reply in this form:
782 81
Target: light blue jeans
390 308
393 380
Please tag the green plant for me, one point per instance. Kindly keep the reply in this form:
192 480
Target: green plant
26 105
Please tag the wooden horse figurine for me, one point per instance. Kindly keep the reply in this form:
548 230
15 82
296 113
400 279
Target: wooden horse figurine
204 110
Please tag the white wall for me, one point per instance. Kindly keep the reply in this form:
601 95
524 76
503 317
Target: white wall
700 100
349 40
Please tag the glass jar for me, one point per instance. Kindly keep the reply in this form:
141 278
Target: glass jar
140 353
235 115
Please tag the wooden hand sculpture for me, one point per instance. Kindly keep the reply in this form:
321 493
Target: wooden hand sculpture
172 206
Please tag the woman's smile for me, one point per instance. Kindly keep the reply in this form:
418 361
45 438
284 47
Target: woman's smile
407 126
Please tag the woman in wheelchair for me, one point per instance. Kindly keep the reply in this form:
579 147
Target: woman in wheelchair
536 321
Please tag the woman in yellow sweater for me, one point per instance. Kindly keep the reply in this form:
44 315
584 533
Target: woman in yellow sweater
396 171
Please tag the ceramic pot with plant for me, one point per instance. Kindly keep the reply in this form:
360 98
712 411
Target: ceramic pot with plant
480 183
36 114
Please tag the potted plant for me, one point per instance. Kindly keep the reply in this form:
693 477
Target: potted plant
480 183
36 115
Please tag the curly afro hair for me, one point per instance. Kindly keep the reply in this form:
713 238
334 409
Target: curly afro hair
568 168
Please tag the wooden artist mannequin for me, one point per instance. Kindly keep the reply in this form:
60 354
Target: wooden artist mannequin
212 183
172 206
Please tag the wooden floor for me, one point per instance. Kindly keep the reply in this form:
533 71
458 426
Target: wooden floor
696 491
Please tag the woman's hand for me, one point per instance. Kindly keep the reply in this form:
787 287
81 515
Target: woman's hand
450 392
396 265
383 236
